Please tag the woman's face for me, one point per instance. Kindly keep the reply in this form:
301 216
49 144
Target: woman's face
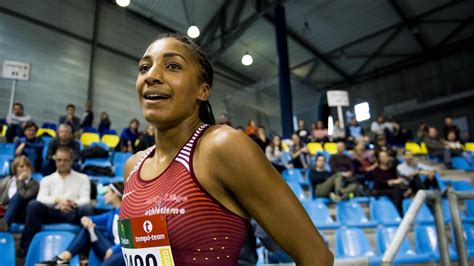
109 195
276 140
30 133
383 158
21 168
168 85
134 125
295 138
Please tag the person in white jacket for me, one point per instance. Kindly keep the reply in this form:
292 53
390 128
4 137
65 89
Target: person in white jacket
63 197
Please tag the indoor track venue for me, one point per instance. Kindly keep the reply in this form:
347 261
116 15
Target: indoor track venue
341 132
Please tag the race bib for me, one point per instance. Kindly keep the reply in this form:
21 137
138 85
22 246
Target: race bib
145 241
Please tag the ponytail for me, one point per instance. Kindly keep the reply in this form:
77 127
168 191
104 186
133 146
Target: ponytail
205 113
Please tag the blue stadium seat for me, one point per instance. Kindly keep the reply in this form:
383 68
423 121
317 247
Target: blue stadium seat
46 245
121 157
110 132
99 144
424 215
460 163
406 254
297 189
7 149
286 157
7 249
50 125
384 212
62 227
37 176
351 213
90 130
4 165
427 242
295 175
101 204
319 214
106 179
46 141
462 185
118 169
93 260
351 242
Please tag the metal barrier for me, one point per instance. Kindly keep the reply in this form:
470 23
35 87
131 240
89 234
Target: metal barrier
454 197
402 230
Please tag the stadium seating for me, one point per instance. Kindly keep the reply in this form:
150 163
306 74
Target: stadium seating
46 245
350 213
118 169
37 176
460 163
295 175
101 204
93 259
424 215
4 165
50 125
110 140
469 146
413 147
384 212
319 214
7 149
46 131
351 242
3 130
427 242
18 228
90 130
46 141
330 147
7 249
88 138
297 189
106 179
441 185
314 147
423 149
406 254
121 157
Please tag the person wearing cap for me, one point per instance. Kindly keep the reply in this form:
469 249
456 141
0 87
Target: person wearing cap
100 232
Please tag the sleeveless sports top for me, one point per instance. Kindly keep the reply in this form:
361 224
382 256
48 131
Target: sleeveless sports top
201 230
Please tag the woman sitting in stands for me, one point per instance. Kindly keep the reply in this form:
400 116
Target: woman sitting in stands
30 145
274 153
299 153
99 232
16 191
386 180
129 136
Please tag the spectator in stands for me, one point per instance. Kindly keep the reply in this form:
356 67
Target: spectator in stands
453 148
98 232
302 131
363 162
411 172
327 184
448 127
399 135
15 120
146 140
434 144
30 145
378 127
70 118
129 136
339 134
354 133
342 163
261 138
104 123
299 153
422 132
274 153
386 180
320 133
251 129
382 145
19 189
64 138
64 197
87 116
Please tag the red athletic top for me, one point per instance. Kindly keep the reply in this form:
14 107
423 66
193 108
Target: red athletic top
201 230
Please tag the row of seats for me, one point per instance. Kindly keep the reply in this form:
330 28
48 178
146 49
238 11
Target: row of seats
43 247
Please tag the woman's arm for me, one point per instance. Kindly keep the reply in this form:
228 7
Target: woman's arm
246 173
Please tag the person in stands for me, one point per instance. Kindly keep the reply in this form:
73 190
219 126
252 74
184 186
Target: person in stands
30 145
71 119
64 138
129 136
15 121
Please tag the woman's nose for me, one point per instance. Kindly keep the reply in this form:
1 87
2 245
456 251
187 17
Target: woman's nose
154 76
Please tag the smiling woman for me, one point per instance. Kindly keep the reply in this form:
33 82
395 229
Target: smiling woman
214 175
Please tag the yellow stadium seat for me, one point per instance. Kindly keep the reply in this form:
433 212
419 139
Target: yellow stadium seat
4 130
413 147
330 147
87 138
423 149
469 146
314 147
111 140
137 141
48 131
285 146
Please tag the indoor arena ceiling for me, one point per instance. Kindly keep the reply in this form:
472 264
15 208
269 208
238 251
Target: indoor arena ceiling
331 43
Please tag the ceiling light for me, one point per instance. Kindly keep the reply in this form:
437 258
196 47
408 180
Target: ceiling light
247 59
193 32
123 3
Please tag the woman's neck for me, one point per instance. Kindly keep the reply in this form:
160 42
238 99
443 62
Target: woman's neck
169 140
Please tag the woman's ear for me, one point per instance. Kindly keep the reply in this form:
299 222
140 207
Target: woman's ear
204 92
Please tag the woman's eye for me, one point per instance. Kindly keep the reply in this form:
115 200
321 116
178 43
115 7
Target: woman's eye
143 68
173 66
